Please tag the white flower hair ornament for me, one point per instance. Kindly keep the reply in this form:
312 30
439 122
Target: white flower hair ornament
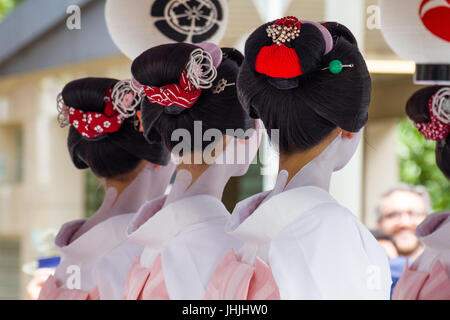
63 112
438 128
441 105
126 98
200 69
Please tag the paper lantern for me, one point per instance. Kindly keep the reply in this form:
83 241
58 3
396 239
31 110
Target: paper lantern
419 30
138 25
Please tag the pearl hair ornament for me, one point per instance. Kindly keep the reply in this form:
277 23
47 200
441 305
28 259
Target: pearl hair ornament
284 30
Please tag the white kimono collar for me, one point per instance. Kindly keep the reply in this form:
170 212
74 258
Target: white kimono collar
257 220
234 161
154 226
96 241
434 231
265 223
318 172
150 183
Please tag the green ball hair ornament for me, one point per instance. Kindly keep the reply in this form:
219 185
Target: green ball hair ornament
336 66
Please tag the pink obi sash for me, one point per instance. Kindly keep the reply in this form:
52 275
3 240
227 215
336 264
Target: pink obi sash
51 290
418 285
235 280
146 283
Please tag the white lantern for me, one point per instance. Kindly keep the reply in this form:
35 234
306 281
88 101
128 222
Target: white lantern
419 30
138 25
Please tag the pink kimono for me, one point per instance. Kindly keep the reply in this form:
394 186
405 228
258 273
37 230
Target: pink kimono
428 277
80 276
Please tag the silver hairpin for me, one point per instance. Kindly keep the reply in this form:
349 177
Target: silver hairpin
441 105
221 85
119 92
200 69
63 112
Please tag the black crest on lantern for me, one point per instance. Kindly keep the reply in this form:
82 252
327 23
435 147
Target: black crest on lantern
187 20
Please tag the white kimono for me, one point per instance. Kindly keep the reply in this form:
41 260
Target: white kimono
76 277
189 237
79 258
314 247
184 233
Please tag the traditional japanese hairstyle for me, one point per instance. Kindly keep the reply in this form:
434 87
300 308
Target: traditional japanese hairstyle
182 83
103 134
429 109
305 79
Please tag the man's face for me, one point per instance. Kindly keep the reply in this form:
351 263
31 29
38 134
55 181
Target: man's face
401 213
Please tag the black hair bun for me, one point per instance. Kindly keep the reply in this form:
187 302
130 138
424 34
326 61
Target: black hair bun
338 30
308 107
233 54
112 154
163 65
417 111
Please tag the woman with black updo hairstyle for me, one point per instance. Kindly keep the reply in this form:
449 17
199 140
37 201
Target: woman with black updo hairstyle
310 86
428 277
429 109
103 137
190 101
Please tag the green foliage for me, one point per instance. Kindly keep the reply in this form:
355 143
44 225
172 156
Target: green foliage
94 193
418 164
6 6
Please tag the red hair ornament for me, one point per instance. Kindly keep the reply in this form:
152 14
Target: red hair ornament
200 72
280 61
91 125
120 103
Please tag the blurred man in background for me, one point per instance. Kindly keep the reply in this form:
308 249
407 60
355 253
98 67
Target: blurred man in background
400 211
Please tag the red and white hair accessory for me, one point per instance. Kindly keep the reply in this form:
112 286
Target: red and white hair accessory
439 109
90 125
279 60
200 73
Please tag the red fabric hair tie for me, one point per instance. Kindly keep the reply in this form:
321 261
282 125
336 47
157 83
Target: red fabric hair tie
94 124
278 60
183 94
200 73
436 129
